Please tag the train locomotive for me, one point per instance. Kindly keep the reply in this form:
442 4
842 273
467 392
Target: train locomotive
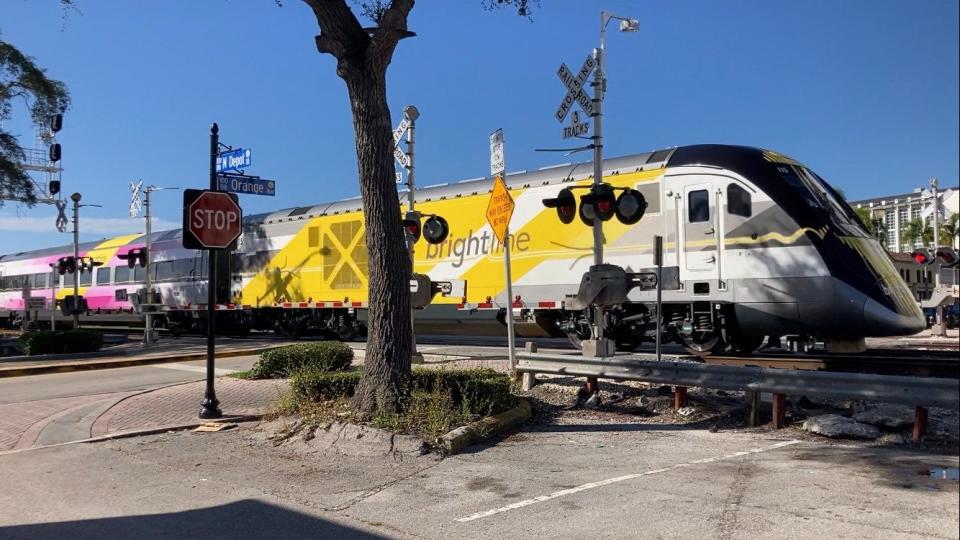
759 245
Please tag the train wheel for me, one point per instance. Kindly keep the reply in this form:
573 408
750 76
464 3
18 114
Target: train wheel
703 343
743 345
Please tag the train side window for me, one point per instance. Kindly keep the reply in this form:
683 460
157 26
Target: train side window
103 275
163 271
122 274
738 201
39 281
139 273
86 279
698 206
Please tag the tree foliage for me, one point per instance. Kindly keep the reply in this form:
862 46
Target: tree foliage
916 231
22 79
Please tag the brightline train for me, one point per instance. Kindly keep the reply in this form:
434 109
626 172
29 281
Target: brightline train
762 246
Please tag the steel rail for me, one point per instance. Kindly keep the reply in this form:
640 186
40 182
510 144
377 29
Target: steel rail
913 391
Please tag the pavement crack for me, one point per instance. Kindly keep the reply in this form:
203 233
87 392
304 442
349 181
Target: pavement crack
377 489
729 516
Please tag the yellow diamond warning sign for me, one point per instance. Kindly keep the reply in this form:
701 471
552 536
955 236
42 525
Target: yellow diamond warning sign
500 209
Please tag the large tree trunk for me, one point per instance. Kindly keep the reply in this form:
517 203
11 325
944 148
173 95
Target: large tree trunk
362 59
387 361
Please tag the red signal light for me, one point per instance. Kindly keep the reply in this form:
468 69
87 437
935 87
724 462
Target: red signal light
565 203
922 256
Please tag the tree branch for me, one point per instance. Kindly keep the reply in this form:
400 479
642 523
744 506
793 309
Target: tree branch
393 27
340 32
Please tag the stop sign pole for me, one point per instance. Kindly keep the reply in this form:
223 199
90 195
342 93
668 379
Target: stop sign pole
211 221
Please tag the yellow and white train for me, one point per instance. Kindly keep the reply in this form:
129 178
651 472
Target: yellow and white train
760 244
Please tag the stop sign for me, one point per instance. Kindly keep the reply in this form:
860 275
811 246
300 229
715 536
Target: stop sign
211 219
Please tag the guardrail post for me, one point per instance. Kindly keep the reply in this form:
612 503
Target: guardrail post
592 386
919 424
779 410
753 412
529 379
679 397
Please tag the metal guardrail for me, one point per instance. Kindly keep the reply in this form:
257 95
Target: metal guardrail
914 391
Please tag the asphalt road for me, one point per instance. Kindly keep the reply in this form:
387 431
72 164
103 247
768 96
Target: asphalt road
128 379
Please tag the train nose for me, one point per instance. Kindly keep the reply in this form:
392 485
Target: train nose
902 319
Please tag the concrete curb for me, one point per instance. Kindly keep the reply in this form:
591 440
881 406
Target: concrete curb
62 356
141 432
122 362
458 439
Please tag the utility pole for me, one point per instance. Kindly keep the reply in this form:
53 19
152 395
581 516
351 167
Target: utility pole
147 302
54 277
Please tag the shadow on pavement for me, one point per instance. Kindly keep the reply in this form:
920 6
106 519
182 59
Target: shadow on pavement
901 468
243 519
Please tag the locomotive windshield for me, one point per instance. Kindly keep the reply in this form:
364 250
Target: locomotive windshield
820 195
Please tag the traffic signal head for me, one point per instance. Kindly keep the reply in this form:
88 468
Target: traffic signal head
55 152
565 203
54 187
631 204
56 123
599 203
948 257
435 229
923 256
411 226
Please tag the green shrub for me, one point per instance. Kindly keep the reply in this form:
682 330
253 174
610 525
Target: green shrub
471 392
67 341
322 356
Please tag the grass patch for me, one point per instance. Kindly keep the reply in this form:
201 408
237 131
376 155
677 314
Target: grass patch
321 356
246 375
439 399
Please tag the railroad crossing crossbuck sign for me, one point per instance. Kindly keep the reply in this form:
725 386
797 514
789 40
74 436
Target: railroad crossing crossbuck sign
574 84
500 209
211 219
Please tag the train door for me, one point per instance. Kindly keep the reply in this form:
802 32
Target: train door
700 230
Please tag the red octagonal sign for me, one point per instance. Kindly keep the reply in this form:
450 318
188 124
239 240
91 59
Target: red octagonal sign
212 219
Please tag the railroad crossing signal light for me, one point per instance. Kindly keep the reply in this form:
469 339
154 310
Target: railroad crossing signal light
411 226
631 204
948 257
599 203
923 256
87 264
55 154
135 256
565 203
435 230
66 265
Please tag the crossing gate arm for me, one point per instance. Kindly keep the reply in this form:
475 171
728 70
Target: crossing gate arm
913 391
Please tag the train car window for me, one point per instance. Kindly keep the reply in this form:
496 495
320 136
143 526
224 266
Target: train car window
103 275
738 201
86 279
121 275
163 271
184 269
39 281
313 237
139 273
68 280
698 206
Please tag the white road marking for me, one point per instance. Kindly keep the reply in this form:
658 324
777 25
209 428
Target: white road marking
197 369
601 483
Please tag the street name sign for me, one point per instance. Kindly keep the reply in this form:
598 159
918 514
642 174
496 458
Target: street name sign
574 84
211 219
500 209
496 153
233 160
250 185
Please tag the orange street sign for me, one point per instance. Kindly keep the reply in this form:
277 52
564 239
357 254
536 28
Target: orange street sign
500 209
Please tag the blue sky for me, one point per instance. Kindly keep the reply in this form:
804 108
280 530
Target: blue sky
864 92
